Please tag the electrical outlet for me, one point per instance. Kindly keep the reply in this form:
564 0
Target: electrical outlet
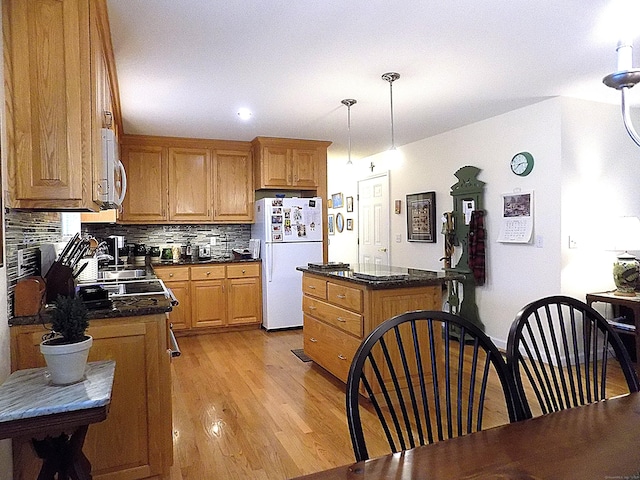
539 241
398 238
213 241
21 263
573 242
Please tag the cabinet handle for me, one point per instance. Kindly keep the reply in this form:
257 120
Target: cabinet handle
208 273
311 307
244 271
313 340
340 319
171 274
311 287
341 297
341 357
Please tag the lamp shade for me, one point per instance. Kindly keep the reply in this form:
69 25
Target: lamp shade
624 234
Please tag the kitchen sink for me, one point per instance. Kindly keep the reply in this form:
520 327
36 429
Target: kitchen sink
121 274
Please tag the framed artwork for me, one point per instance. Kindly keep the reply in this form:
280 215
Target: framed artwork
337 200
330 224
349 223
349 204
339 223
421 217
329 203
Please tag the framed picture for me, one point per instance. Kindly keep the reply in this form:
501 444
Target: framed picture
339 223
330 224
349 204
421 217
349 223
336 200
329 203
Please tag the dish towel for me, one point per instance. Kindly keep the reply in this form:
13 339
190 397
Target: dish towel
476 246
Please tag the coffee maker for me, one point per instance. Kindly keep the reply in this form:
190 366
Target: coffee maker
115 243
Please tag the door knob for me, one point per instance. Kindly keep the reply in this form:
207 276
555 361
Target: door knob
382 249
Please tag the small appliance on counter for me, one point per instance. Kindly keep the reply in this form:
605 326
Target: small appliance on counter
115 243
204 252
241 253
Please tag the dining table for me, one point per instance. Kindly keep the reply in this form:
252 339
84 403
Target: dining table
595 441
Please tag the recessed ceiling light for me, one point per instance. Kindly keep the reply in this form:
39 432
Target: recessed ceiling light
244 114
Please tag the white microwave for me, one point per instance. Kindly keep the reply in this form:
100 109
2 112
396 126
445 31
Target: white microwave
112 179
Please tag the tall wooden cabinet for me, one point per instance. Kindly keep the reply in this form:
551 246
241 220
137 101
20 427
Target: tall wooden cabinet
56 83
179 180
135 441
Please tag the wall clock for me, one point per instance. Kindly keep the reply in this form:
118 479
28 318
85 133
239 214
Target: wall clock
522 164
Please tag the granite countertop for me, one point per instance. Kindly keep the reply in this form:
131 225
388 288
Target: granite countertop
29 393
183 262
129 306
384 276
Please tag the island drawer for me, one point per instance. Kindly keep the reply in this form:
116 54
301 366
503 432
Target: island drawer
244 270
207 272
314 286
343 296
329 347
172 274
338 317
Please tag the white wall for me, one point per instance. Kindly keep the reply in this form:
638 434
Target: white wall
561 134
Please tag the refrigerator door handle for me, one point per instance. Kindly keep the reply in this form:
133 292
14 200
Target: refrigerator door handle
269 260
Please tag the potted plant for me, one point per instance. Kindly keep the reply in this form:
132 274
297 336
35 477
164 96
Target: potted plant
66 348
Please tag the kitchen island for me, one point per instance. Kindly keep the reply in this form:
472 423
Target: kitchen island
135 441
342 305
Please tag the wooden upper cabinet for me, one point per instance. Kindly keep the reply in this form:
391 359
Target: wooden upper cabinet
190 184
289 164
146 199
49 89
232 186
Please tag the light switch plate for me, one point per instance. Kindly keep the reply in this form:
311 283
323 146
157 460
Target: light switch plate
21 263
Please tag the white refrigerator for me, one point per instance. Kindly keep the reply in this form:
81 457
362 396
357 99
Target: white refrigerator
290 234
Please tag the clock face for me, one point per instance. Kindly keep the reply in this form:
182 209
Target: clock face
522 164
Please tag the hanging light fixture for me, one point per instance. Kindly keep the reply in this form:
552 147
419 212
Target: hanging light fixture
391 77
624 79
349 102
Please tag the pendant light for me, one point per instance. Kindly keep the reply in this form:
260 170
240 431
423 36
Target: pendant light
391 77
349 102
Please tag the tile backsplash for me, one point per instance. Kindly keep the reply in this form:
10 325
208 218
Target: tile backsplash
226 237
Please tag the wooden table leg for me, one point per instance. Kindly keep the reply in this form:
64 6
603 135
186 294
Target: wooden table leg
63 455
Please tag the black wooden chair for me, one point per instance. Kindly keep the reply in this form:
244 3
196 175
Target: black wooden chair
425 385
558 353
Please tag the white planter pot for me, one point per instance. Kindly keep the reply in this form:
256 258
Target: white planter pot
66 363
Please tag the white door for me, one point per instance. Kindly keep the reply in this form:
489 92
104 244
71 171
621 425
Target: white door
373 220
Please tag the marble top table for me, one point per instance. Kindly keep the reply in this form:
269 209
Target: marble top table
33 407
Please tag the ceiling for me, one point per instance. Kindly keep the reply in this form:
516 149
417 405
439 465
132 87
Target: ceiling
185 67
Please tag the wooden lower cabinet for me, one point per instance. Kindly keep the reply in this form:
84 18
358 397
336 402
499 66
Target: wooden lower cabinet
214 297
338 315
135 441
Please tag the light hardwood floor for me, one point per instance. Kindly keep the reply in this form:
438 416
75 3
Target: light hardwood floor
245 407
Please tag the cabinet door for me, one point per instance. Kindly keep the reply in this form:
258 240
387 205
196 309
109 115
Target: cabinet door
275 167
180 316
48 86
135 438
208 303
244 301
146 199
304 166
233 186
190 184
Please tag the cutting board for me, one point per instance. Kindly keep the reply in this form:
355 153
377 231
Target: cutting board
29 296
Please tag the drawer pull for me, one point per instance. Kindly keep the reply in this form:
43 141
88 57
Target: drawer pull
311 307
244 271
313 340
341 357
171 274
341 296
208 273
311 287
340 319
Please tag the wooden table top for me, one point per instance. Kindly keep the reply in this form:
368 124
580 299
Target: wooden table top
596 441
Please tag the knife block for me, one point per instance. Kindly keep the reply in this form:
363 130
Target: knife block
59 281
